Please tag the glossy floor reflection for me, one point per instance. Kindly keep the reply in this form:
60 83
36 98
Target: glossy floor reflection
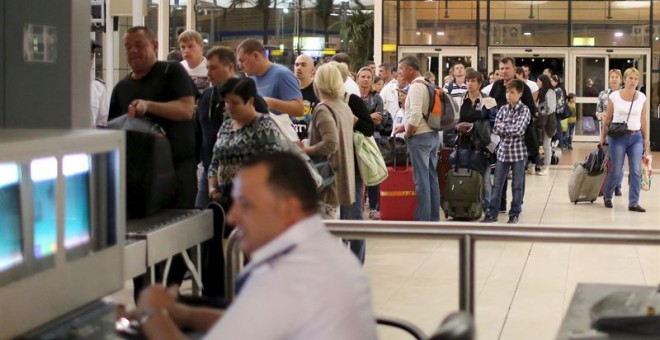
522 289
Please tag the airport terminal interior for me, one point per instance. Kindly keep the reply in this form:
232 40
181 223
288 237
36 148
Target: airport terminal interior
62 196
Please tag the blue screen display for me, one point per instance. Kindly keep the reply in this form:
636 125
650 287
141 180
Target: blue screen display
43 173
10 217
77 196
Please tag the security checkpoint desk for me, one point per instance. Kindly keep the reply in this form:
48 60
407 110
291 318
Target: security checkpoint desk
157 238
577 321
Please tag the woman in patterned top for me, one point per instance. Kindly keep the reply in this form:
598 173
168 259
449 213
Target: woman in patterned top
243 135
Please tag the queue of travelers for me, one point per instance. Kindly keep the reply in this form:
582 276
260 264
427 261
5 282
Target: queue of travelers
228 130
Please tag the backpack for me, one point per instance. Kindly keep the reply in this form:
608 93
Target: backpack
563 111
442 108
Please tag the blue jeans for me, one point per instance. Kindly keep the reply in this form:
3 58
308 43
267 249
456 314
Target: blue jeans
633 147
569 136
517 187
353 211
423 151
373 192
488 186
563 143
202 198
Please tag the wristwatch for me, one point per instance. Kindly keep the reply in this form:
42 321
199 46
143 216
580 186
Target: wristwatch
147 313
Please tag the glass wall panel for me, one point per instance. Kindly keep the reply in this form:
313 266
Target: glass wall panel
610 23
315 23
177 21
389 30
438 23
482 64
529 23
151 20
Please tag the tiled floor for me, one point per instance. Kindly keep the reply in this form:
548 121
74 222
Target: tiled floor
522 289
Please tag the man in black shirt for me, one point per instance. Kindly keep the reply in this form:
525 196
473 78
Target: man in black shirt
163 92
304 71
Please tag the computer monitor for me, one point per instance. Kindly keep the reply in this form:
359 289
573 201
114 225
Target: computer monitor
43 173
77 221
11 244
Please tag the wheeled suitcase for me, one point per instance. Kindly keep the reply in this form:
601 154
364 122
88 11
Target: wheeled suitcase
582 187
463 195
398 199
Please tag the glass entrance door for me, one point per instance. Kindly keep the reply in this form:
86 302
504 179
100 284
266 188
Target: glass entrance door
439 60
590 69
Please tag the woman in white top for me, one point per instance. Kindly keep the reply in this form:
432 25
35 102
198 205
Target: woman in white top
626 105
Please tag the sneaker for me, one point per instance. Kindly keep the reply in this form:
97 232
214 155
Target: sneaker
374 215
617 192
489 219
570 147
608 203
544 172
530 170
512 220
636 208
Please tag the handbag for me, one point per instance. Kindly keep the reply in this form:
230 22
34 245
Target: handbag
394 151
370 162
647 171
321 170
620 129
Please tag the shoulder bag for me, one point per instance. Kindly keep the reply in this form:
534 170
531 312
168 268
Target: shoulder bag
620 129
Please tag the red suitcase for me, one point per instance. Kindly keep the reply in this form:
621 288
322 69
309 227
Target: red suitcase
398 199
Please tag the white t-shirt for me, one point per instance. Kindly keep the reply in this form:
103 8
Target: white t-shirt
199 74
390 97
351 86
99 103
302 285
532 85
621 108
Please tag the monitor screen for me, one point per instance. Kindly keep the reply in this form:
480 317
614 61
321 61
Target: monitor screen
75 169
43 173
11 246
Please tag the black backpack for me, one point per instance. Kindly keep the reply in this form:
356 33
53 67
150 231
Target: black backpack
595 162
563 111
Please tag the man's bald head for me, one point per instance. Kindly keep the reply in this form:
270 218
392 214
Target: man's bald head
304 69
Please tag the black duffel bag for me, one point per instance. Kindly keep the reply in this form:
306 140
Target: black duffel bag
150 177
394 151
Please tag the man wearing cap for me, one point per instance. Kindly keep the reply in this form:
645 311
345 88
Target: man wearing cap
99 100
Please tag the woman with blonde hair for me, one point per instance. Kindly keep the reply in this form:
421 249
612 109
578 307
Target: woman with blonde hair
626 107
331 137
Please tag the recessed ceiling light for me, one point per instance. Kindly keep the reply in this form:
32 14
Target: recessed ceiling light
440 33
527 33
618 34
657 38
418 33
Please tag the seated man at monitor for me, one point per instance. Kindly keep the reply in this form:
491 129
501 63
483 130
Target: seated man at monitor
300 282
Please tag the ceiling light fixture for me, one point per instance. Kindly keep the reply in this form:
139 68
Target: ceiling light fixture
527 33
618 34
440 33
